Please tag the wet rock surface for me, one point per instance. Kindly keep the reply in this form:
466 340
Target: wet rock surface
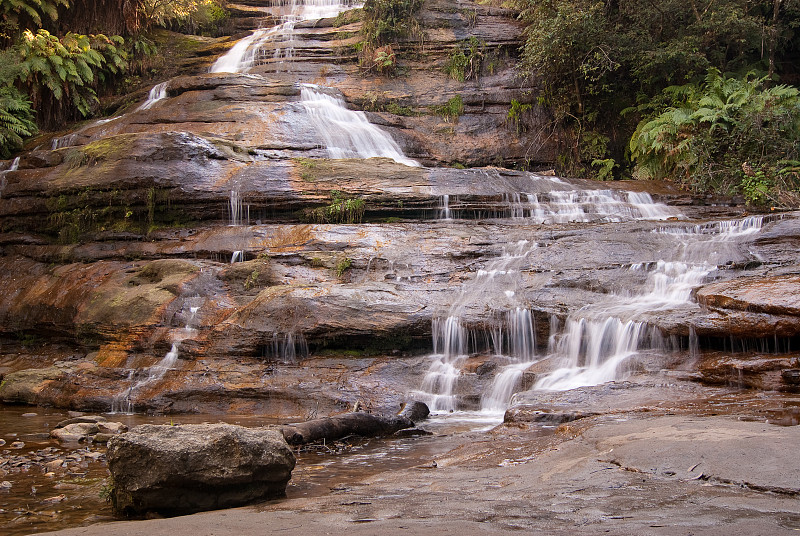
184 469
645 473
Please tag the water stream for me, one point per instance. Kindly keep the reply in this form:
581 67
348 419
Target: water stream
282 38
157 93
139 379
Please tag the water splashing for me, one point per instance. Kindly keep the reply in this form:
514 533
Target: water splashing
600 338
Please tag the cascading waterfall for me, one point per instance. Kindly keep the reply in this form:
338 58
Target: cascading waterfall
600 338
122 402
595 342
511 337
347 133
157 93
14 167
244 54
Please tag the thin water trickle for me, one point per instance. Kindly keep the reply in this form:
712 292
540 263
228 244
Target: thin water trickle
3 181
122 402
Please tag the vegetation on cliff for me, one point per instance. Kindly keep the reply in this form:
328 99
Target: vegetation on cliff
639 86
57 56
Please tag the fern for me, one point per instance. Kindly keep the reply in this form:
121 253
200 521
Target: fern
720 133
16 120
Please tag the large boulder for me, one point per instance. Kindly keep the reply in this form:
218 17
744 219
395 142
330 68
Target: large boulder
183 469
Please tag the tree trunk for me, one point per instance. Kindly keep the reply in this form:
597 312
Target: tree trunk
339 426
773 37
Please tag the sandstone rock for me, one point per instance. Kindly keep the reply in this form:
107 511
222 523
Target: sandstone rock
54 465
81 419
182 469
416 411
75 432
27 386
772 295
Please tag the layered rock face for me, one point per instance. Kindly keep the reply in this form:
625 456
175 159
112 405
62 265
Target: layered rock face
189 468
204 253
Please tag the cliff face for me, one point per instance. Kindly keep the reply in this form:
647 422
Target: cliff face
204 253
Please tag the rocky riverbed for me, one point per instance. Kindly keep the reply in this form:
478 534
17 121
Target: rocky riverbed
643 463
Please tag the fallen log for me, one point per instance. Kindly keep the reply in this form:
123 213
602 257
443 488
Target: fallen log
346 424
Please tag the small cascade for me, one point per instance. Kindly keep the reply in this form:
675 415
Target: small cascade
600 338
122 402
60 142
281 38
14 167
237 256
556 206
444 208
239 211
450 350
504 385
347 133
593 205
157 93
287 348
508 335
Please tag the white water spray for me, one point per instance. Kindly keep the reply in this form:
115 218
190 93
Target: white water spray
599 339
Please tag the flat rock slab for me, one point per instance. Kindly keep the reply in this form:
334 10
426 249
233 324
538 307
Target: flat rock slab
771 295
183 469
638 395
756 455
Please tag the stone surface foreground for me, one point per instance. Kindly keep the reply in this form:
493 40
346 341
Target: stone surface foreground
190 468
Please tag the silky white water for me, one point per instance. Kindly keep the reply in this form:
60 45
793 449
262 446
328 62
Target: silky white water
347 133
13 167
157 93
281 38
599 339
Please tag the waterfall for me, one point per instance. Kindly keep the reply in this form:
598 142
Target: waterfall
347 133
600 338
288 347
245 53
157 93
239 212
13 167
593 205
510 335
122 402
444 208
